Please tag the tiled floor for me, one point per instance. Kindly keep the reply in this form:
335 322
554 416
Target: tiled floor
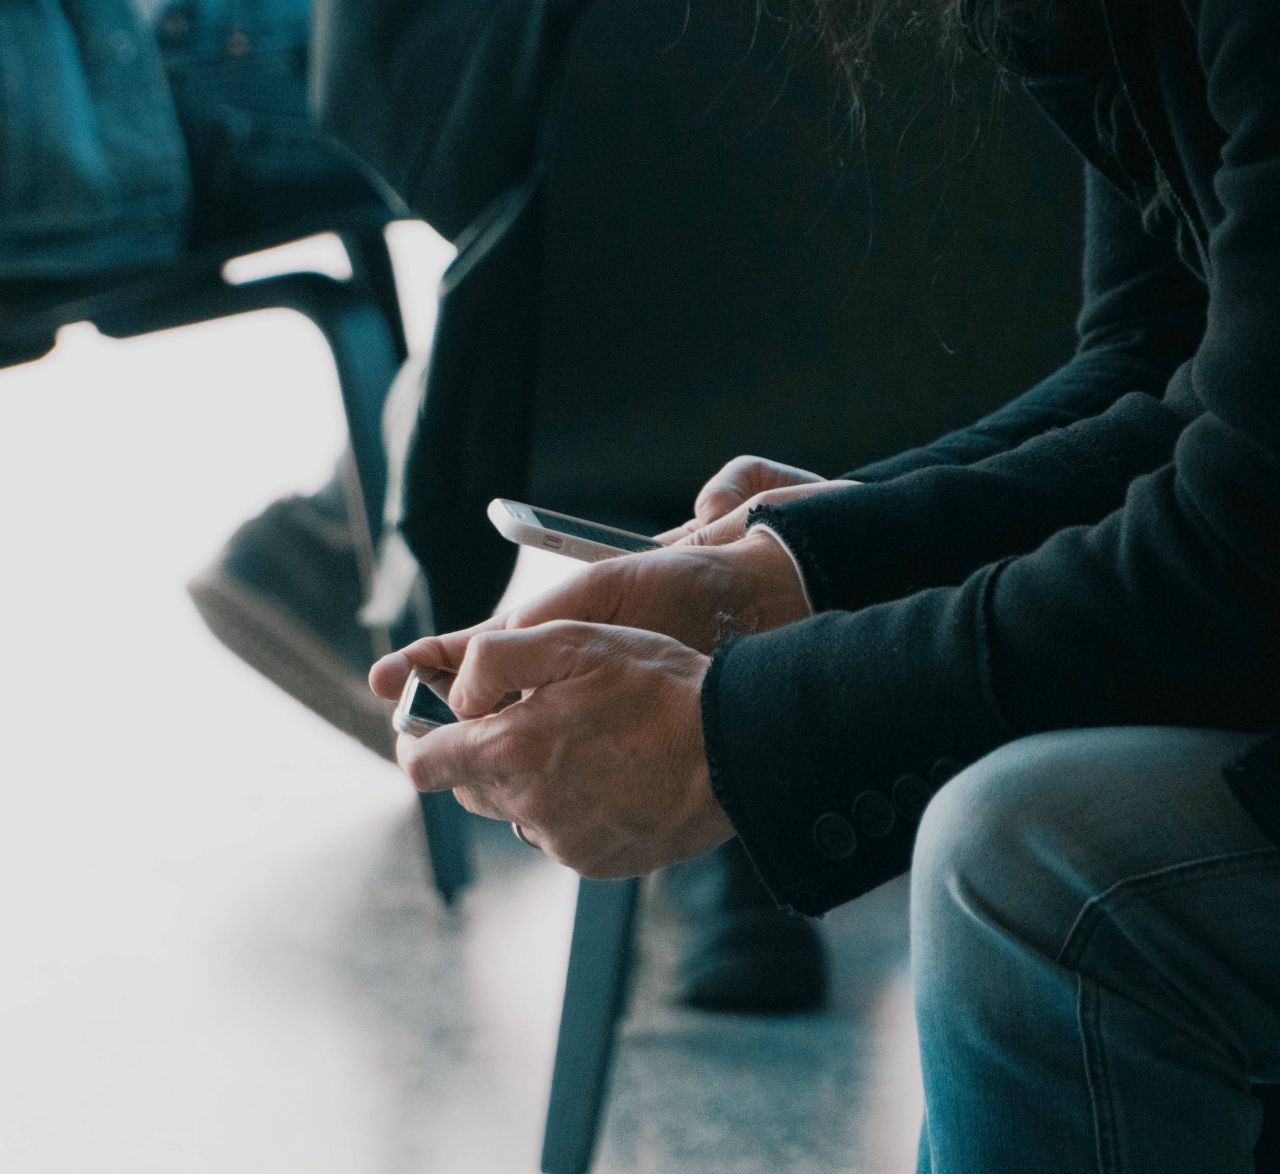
221 952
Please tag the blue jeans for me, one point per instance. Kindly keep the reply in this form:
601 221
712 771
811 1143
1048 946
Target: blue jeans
1095 926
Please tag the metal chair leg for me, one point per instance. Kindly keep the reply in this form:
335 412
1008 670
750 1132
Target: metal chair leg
448 836
372 270
366 341
594 996
366 346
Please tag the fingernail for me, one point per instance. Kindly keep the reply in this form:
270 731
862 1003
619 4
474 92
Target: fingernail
396 660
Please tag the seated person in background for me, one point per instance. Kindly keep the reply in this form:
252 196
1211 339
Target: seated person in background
666 254
1033 660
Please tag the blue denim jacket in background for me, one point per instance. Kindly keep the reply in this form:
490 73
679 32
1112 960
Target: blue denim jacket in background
93 170
133 131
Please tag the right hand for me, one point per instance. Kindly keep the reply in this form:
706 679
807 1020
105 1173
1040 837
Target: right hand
696 595
721 509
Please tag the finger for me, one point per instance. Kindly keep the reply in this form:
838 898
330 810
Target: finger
722 531
727 490
733 525
389 673
742 478
518 659
462 755
670 537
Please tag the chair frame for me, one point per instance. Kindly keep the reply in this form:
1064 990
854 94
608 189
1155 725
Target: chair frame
359 319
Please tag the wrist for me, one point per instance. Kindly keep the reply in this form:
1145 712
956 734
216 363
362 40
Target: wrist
708 824
783 596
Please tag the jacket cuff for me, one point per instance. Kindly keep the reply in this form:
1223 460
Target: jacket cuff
825 742
795 562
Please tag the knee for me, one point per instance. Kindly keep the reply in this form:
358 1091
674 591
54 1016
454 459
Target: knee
995 844
980 821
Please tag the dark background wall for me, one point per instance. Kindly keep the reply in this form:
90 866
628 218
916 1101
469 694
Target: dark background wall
726 273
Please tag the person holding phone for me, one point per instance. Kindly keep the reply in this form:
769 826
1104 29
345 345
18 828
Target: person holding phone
1042 661
660 243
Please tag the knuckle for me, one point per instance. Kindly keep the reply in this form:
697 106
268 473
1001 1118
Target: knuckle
481 659
481 647
569 631
503 752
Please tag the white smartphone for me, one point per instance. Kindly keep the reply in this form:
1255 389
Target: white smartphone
421 708
574 537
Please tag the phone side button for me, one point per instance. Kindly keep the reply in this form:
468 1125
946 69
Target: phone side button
552 541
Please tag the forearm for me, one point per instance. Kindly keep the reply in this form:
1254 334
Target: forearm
1156 616
1086 387
871 543
1142 315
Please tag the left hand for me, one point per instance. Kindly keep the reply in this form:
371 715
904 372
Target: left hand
693 594
601 763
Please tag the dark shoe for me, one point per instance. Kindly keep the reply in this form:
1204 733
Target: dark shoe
283 595
743 953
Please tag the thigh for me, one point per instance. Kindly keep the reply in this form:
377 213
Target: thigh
1121 854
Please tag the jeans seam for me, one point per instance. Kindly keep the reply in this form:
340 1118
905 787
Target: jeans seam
1088 1000
1099 905
1101 1107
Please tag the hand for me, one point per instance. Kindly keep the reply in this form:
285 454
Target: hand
721 509
692 594
601 763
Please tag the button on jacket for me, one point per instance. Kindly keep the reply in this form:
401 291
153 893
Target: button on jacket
1105 550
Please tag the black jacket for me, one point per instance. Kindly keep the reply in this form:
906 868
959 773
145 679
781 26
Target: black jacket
1106 550
666 258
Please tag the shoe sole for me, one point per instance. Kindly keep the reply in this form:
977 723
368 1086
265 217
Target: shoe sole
291 657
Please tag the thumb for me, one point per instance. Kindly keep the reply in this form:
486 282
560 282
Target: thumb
591 596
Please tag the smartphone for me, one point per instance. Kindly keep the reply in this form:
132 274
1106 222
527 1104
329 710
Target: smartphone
574 537
421 707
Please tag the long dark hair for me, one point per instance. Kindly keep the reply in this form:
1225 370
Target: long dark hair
848 34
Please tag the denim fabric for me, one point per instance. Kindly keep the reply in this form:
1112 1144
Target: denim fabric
132 132
259 164
93 172
1096 967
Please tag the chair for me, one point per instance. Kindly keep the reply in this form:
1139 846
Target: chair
360 320
594 1000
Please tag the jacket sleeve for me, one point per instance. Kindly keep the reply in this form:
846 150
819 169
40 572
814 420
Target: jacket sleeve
1165 612
1061 455
1142 313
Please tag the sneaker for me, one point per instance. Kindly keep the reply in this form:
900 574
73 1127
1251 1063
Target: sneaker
284 595
741 952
